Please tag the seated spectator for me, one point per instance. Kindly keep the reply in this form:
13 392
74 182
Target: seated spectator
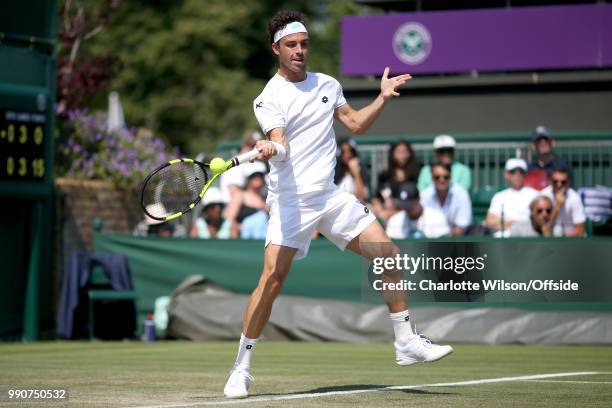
444 150
512 204
568 212
210 224
232 182
447 209
250 200
151 227
540 220
538 171
255 226
404 223
397 186
349 173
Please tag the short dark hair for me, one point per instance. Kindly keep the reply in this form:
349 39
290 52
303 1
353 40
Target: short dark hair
281 19
447 167
560 169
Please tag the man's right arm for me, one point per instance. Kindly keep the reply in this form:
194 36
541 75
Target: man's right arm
493 219
268 149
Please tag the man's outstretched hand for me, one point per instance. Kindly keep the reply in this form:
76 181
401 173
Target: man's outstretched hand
388 86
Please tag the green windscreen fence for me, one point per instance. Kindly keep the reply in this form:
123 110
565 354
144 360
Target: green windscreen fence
159 265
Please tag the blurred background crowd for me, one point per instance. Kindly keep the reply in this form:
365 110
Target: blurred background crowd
412 200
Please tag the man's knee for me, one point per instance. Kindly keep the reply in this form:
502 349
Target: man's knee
272 280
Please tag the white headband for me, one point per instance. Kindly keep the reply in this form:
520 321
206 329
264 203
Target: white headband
291 28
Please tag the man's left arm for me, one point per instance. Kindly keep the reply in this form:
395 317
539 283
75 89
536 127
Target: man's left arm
359 121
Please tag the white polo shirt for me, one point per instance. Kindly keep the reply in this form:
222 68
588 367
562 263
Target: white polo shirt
442 218
571 213
306 111
513 203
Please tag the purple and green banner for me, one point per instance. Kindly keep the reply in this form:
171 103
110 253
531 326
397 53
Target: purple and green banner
511 39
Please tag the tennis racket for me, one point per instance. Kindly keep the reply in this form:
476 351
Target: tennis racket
177 186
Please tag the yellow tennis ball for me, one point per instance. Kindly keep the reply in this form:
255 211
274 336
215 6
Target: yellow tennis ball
217 165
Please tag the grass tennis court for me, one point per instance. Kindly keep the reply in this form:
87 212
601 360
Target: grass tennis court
193 374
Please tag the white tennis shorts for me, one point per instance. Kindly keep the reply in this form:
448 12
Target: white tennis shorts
334 213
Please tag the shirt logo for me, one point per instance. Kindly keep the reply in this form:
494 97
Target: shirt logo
259 104
324 100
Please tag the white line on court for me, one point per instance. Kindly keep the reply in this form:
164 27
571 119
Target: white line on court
361 391
571 382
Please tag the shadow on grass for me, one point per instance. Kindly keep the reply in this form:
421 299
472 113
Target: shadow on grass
337 388
355 387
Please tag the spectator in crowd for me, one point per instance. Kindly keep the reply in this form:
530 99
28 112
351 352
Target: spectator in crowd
349 173
447 209
540 221
397 186
211 224
151 227
568 213
404 223
538 171
444 151
232 182
512 204
254 226
248 202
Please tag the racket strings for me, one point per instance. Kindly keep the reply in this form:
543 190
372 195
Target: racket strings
173 188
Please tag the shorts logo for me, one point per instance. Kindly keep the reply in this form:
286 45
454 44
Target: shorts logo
366 209
248 347
324 100
412 43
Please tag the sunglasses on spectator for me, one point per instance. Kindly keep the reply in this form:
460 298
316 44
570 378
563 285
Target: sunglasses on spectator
514 171
548 210
562 182
441 177
448 150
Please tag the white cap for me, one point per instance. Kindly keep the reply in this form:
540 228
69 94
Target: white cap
255 167
213 196
443 141
516 163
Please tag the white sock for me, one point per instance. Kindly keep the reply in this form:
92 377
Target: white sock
246 347
401 326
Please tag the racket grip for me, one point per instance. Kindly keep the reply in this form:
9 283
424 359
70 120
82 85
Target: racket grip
245 157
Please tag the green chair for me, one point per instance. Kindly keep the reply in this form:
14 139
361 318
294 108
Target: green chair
99 280
481 200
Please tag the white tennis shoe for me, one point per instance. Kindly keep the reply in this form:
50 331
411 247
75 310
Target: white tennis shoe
419 350
238 383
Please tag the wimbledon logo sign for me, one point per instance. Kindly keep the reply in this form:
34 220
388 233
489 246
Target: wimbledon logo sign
412 43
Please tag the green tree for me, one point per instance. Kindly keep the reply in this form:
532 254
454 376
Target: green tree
190 69
326 35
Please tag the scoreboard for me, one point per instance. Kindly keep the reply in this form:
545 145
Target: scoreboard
28 40
26 124
22 153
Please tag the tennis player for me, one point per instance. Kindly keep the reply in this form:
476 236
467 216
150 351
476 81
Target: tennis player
296 110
